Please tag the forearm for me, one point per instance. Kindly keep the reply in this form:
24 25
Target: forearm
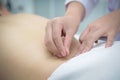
77 10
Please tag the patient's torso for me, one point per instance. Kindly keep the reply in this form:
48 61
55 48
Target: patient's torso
23 53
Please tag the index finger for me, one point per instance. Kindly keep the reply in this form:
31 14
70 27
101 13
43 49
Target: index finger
48 39
57 31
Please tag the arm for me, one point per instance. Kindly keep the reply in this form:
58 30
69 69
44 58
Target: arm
88 5
75 9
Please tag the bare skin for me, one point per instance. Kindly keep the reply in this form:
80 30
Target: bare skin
23 55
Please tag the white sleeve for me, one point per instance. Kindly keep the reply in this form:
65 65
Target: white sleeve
88 4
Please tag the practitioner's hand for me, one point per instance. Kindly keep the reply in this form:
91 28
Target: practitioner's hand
106 26
59 33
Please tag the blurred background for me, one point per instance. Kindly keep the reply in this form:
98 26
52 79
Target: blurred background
51 9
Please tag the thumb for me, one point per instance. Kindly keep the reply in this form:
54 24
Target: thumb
67 42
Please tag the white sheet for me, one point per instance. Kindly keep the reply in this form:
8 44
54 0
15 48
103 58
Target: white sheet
99 64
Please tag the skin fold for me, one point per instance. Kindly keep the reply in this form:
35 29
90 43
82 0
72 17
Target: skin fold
23 54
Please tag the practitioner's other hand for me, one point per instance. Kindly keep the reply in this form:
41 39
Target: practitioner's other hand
107 26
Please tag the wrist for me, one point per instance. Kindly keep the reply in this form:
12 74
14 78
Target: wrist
75 9
75 21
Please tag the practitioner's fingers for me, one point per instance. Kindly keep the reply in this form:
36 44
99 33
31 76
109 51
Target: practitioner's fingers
57 38
49 39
